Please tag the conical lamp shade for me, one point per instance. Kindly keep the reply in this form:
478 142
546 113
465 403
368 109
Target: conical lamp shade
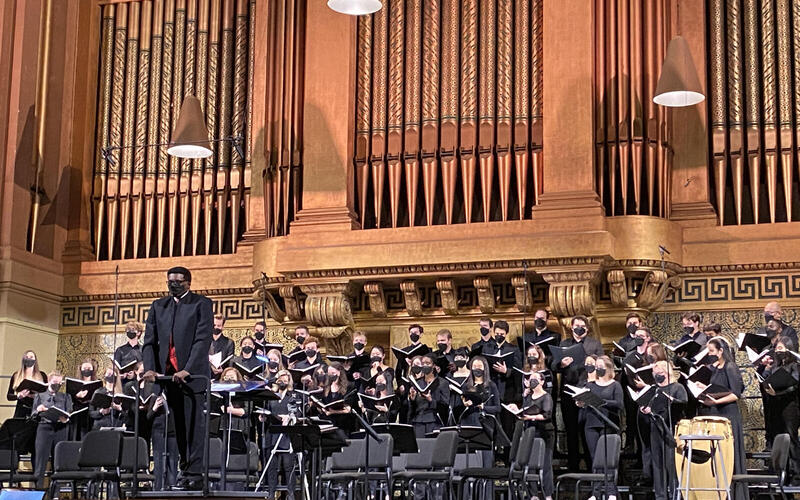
355 7
190 137
678 84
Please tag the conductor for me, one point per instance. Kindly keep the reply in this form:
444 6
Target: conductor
176 341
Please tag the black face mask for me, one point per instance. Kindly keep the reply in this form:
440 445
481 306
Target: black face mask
478 373
600 372
533 360
310 353
659 378
426 370
28 362
768 317
484 331
534 383
499 339
259 335
375 359
131 334
579 331
638 341
300 339
539 323
380 387
416 369
273 365
358 346
320 378
460 363
217 331
442 346
781 356
589 368
87 373
688 330
712 358
334 378
247 350
282 385
55 387
110 379
632 329
176 288
771 332
414 337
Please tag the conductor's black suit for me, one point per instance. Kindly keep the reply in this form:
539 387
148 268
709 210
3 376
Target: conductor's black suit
185 324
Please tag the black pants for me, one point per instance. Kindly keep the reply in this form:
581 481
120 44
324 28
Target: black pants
569 412
47 436
663 460
642 431
190 426
165 469
592 438
281 461
772 417
786 419
631 425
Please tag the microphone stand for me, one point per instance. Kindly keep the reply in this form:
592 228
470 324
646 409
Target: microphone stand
607 424
369 432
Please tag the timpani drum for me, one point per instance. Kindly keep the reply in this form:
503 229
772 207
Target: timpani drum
701 473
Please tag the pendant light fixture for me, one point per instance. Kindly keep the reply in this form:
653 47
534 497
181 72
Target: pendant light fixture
190 137
355 7
678 85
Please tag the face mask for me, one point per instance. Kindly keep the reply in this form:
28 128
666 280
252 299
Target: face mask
28 362
310 353
478 373
300 339
358 346
273 365
688 330
771 332
600 372
539 323
375 359
632 329
176 288
768 317
781 356
589 368
460 363
414 337
442 346
484 331
659 378
110 379
380 387
55 387
259 335
416 369
87 373
131 334
579 331
282 385
247 350
229 379
334 378
638 341
712 358
534 383
533 360
499 339
320 377
217 331
426 370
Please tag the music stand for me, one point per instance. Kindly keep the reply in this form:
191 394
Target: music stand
471 438
306 437
8 432
403 435
594 403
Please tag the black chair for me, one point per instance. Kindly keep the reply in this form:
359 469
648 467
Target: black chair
407 465
530 481
129 463
241 468
608 446
9 470
442 461
340 466
65 467
522 450
101 453
771 484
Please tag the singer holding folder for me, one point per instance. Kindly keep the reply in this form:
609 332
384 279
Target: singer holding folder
176 342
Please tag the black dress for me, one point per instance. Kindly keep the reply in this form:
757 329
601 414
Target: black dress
545 430
787 417
23 406
668 410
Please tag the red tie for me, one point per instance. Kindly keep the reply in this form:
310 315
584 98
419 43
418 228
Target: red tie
173 358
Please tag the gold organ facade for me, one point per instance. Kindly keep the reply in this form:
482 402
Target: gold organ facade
435 162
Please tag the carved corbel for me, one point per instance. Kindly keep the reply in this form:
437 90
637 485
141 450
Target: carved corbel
329 304
377 300
269 304
522 293
655 288
338 340
618 287
449 295
291 300
571 292
411 297
486 300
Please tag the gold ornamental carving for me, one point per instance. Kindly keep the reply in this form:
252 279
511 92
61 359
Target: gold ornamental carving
572 292
292 302
269 304
522 293
655 288
338 340
377 299
447 291
618 287
412 298
486 300
328 304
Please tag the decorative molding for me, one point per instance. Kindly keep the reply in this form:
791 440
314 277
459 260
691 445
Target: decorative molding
214 292
655 288
485 291
411 298
449 296
377 299
291 301
716 289
617 287
572 292
328 304
522 293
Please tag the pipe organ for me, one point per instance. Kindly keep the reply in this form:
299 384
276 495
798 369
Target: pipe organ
449 112
152 54
754 81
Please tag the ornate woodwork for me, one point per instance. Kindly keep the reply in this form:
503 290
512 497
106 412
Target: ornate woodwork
485 291
377 300
449 296
411 297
